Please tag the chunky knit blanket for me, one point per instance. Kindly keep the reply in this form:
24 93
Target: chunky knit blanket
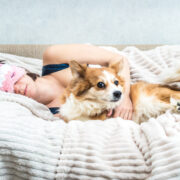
35 145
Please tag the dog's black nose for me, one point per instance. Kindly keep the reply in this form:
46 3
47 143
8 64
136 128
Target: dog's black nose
117 94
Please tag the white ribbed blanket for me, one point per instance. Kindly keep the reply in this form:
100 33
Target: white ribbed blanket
36 145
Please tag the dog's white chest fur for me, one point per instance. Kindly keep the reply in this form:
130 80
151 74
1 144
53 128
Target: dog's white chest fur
73 109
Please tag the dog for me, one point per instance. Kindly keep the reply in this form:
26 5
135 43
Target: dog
94 90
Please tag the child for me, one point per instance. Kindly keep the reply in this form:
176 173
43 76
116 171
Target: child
56 75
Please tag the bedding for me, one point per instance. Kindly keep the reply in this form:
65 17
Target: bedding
36 145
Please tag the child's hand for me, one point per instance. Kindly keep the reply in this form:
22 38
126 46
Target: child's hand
124 110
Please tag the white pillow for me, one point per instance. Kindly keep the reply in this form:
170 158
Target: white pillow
30 64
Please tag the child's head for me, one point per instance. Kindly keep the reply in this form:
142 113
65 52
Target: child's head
15 79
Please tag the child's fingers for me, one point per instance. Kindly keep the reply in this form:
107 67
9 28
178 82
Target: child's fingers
110 111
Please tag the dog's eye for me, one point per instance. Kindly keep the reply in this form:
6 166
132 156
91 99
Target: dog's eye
116 82
100 85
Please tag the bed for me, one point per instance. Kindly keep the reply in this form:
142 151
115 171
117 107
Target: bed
36 145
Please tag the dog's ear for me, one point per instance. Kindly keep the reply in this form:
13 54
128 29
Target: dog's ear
117 65
78 70
79 86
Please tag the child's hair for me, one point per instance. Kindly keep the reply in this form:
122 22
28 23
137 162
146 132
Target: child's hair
32 75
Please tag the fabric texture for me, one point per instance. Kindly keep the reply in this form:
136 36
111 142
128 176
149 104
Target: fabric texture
51 68
36 145
54 110
9 75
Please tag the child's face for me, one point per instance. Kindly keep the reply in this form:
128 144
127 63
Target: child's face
26 86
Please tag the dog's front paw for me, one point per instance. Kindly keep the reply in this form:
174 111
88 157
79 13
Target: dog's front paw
175 104
178 107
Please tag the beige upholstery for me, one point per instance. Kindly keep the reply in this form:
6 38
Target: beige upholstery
36 51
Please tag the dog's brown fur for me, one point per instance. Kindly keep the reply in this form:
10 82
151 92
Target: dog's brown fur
85 78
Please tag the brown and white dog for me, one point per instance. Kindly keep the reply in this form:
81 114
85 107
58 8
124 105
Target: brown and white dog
93 91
